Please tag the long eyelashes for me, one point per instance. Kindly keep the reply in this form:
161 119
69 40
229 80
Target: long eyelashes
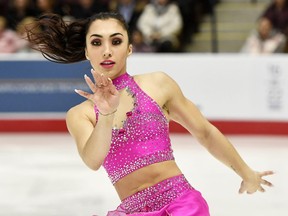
97 42
116 41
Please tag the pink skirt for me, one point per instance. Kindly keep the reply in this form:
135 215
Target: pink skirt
171 197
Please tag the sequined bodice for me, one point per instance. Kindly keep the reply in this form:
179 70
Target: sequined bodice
143 139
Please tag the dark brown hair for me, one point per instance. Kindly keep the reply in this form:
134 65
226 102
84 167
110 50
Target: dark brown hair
65 42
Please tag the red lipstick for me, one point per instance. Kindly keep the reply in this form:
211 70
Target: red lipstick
107 64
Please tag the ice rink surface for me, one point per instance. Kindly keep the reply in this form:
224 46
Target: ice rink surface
43 175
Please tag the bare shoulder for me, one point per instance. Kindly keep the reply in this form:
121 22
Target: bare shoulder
78 108
157 78
160 86
155 75
82 111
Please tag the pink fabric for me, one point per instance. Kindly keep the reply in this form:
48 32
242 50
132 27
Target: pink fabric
144 137
190 203
172 196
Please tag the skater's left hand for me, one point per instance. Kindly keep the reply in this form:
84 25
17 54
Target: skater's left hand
255 182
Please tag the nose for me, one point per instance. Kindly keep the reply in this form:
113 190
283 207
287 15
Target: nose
107 52
107 55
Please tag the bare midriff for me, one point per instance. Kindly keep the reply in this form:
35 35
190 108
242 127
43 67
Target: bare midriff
146 177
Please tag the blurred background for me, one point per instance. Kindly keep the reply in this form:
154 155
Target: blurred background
196 26
229 58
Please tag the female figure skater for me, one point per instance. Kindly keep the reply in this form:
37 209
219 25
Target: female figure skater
123 124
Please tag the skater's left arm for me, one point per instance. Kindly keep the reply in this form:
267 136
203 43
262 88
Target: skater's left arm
188 115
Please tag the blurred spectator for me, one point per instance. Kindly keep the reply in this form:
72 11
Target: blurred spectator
86 8
264 40
21 30
161 25
192 12
190 24
48 6
129 9
277 13
9 40
139 45
18 10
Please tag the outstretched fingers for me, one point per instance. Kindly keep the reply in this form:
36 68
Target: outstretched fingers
100 79
256 184
261 189
266 173
83 93
264 181
112 88
90 83
241 189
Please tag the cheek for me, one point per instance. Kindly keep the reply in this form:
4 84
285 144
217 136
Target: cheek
123 57
92 54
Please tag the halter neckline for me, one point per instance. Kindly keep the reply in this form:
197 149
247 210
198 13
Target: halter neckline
121 81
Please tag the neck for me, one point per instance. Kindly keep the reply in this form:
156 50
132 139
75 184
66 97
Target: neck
121 81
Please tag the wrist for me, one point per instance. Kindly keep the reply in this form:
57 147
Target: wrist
247 174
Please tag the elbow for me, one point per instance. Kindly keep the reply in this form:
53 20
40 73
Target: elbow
204 135
92 163
95 166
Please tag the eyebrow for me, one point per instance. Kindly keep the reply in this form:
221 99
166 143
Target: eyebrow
97 35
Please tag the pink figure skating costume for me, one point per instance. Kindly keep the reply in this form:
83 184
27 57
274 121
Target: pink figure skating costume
144 140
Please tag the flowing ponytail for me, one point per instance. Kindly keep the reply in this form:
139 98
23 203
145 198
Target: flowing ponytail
57 40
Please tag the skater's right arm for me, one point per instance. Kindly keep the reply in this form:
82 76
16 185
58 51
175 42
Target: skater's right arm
92 139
